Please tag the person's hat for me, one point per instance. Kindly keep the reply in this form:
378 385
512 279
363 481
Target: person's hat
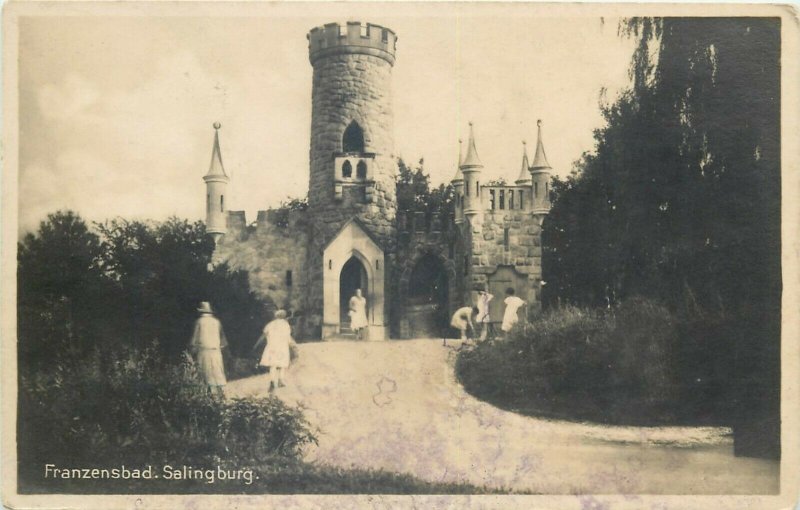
280 314
205 307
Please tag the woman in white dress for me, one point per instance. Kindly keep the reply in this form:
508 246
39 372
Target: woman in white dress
278 336
207 343
358 314
513 303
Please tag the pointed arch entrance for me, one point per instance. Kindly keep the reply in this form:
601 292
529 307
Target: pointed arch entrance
352 278
353 259
427 305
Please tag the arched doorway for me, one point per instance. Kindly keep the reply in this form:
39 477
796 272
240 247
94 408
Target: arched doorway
427 301
352 277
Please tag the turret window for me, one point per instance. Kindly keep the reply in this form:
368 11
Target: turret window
353 138
502 199
288 278
385 35
536 189
546 191
511 199
506 239
466 188
361 170
222 203
477 188
208 202
347 170
491 199
521 205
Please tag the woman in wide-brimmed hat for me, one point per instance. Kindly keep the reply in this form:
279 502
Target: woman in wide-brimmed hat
277 356
208 341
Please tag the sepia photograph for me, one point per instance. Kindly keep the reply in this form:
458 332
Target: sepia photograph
479 253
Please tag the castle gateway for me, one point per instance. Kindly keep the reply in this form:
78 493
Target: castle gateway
413 269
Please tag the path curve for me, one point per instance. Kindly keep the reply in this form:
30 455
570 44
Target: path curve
397 405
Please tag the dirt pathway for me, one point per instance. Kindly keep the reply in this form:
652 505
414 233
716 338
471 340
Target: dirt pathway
396 405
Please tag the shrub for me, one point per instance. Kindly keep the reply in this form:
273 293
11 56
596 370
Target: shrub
132 408
615 365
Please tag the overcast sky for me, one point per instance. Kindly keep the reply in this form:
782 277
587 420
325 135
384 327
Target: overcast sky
116 113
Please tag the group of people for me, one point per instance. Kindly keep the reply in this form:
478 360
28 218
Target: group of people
462 318
209 339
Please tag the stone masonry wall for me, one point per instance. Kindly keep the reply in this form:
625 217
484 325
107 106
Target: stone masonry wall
487 249
267 253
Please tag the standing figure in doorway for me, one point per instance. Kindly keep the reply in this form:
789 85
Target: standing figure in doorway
483 312
207 343
462 320
278 336
358 314
513 303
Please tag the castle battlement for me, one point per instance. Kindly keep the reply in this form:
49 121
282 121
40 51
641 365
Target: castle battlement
352 37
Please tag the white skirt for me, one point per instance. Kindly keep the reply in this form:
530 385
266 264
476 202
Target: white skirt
209 361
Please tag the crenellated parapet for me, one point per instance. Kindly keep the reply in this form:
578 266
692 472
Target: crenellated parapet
352 37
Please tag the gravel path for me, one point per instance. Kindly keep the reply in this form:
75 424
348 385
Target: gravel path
396 405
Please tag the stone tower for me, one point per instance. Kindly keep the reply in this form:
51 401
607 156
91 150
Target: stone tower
216 187
352 169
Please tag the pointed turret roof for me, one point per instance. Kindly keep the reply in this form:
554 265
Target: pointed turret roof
539 160
459 176
216 168
525 171
472 160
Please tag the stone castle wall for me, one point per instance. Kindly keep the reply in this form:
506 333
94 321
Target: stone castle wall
267 251
487 249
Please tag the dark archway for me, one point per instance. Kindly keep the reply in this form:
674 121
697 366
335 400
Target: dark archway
353 138
352 277
427 298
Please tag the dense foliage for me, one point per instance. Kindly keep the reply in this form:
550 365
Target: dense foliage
129 283
134 408
622 365
414 192
680 201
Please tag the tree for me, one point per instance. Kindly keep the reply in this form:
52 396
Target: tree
680 200
58 280
414 192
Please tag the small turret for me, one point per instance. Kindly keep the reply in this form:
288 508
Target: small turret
524 178
540 175
471 169
458 189
216 187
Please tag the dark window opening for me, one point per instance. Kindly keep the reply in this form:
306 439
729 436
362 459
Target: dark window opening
353 138
361 170
511 199
477 188
506 239
288 278
208 202
536 189
330 263
222 203
347 170
466 188
491 199
521 205
502 199
546 190
385 36
378 265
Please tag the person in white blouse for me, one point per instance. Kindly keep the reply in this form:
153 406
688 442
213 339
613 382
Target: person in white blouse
513 303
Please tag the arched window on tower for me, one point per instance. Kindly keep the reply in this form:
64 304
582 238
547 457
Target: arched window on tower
222 203
347 170
353 138
361 170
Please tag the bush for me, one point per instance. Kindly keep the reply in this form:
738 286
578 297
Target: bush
131 408
615 366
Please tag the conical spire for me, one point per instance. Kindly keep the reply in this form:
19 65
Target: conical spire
472 160
459 177
539 160
216 168
525 171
